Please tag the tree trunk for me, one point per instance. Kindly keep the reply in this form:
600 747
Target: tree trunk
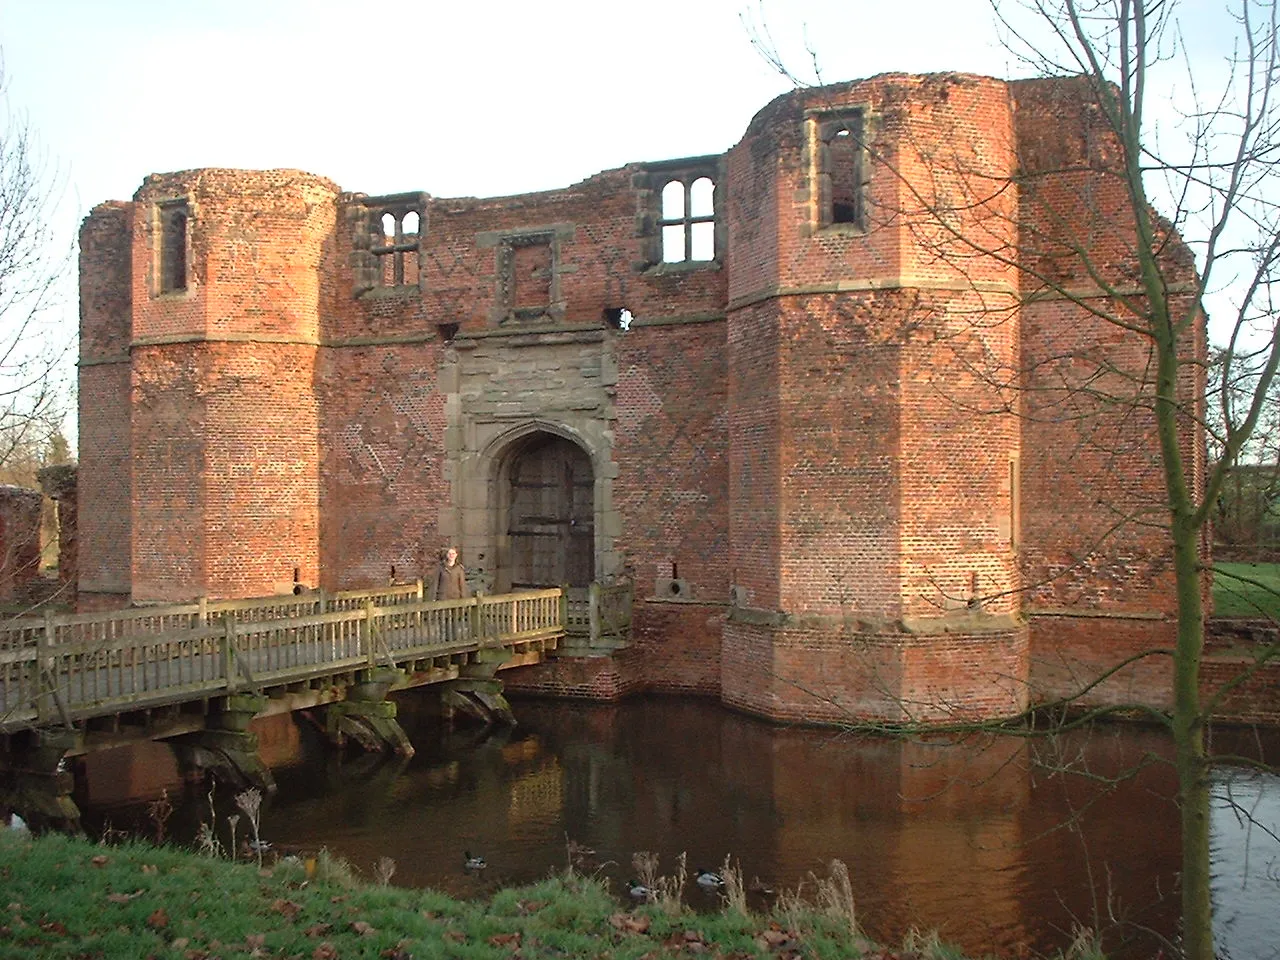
1189 752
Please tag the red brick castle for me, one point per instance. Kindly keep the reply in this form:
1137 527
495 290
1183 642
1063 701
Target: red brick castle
814 396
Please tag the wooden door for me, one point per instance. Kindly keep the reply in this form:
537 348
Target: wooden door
552 516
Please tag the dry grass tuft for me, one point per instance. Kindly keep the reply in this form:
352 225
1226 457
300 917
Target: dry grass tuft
668 891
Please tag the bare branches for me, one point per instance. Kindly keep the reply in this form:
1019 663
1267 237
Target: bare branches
32 264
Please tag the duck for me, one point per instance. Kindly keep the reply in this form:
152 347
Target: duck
639 891
17 824
709 880
473 862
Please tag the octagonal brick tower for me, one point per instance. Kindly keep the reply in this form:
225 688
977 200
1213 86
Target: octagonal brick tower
226 292
872 472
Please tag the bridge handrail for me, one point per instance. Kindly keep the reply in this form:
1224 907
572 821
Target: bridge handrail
110 624
83 676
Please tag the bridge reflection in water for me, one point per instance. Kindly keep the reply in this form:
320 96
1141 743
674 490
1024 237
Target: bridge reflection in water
992 843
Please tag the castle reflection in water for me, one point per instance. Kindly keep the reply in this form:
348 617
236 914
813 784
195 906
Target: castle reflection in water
990 841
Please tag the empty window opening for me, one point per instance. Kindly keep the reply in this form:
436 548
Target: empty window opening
840 169
688 221
673 201
447 331
618 317
395 227
173 247
701 197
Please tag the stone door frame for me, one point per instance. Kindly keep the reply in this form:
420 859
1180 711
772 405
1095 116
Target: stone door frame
478 518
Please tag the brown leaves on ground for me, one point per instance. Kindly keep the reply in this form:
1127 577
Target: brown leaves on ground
362 928
786 943
326 951
505 940
398 952
689 940
317 929
101 860
124 897
159 919
286 908
629 923
526 907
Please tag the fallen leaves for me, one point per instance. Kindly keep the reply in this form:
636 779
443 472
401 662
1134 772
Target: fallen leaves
326 951
124 897
159 919
317 930
286 908
505 940
777 939
363 928
101 860
629 923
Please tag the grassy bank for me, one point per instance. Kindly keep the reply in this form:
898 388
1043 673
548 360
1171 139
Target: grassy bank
1233 597
68 898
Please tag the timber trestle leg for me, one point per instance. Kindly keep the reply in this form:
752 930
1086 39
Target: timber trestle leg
35 782
227 748
477 692
367 717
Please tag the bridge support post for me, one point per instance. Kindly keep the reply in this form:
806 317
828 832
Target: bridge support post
367 716
227 747
39 785
477 692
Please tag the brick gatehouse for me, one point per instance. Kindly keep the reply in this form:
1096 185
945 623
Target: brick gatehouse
813 396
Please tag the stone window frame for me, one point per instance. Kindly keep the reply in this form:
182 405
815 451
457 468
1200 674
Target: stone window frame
504 312
649 183
822 125
370 246
166 213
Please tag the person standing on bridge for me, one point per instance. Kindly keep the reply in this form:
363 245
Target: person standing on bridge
451 578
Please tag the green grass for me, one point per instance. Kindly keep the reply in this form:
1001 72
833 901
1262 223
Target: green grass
1236 598
65 897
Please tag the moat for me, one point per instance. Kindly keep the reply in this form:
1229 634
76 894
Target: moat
989 842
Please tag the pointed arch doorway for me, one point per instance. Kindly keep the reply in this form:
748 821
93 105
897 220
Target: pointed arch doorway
546 518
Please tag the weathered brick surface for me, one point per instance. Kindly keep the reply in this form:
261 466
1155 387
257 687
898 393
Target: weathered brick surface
827 426
20 510
104 481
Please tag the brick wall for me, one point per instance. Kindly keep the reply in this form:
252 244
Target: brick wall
831 417
20 510
103 398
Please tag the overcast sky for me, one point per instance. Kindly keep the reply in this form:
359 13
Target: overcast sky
455 98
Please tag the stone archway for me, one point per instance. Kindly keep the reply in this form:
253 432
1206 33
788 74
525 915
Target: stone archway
545 521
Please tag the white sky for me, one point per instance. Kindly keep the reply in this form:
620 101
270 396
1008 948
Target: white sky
484 98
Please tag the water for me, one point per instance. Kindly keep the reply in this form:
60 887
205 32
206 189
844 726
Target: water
992 843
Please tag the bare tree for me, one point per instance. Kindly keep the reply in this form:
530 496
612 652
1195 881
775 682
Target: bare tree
1183 214
32 263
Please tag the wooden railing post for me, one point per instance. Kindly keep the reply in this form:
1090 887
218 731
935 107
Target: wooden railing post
593 610
44 677
368 632
229 651
564 608
203 612
474 623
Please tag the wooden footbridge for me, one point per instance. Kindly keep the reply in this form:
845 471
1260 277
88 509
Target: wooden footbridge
207 668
